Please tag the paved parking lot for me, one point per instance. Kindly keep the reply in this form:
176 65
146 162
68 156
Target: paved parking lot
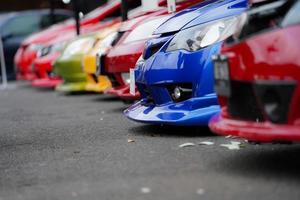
56 146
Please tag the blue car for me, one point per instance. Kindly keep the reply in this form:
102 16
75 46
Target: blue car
175 73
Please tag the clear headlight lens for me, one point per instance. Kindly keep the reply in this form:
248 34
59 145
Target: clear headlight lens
145 30
108 41
44 51
79 46
35 47
58 47
198 37
126 77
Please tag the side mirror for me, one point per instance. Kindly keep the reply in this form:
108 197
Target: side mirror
6 36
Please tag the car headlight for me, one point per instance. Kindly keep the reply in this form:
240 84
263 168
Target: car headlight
109 40
35 47
58 47
198 37
79 46
44 51
126 77
145 30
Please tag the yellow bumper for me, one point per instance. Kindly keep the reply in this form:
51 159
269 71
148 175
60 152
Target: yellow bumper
97 84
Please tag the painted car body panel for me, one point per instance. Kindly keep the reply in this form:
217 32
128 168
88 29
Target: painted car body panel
25 56
135 14
266 65
125 54
69 65
13 32
158 75
272 58
200 14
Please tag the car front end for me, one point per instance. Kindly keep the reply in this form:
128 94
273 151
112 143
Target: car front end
69 67
175 74
257 76
123 56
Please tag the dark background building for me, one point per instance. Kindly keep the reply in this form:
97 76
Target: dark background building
15 5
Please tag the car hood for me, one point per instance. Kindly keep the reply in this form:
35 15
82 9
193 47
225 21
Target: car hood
50 33
201 13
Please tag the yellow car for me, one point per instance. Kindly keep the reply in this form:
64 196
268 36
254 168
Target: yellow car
99 83
70 64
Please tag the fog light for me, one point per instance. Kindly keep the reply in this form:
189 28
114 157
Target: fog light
177 93
275 98
126 77
180 92
273 106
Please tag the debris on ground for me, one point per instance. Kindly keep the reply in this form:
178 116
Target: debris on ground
188 144
206 143
130 140
145 190
74 194
233 145
200 191
231 137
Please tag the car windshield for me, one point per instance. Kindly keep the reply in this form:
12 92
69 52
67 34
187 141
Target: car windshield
98 11
266 16
4 17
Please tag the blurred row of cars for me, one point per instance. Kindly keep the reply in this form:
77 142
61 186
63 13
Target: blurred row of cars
16 26
232 64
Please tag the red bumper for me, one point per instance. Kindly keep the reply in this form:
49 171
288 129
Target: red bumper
123 92
46 82
44 65
255 131
23 62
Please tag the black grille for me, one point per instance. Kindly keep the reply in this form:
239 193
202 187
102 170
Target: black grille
185 88
242 103
263 16
113 80
117 39
147 95
275 98
95 78
151 51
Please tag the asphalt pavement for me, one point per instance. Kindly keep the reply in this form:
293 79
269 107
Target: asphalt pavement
56 146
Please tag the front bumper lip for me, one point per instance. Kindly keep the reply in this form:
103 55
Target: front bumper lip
46 83
254 131
171 114
96 87
123 92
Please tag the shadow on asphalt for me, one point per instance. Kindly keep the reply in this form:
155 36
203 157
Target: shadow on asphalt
119 110
104 98
81 93
44 89
22 84
277 162
171 131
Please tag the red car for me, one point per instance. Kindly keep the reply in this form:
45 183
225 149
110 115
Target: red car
29 48
257 76
43 64
126 52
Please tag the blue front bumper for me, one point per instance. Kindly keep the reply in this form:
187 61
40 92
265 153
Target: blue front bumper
193 112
